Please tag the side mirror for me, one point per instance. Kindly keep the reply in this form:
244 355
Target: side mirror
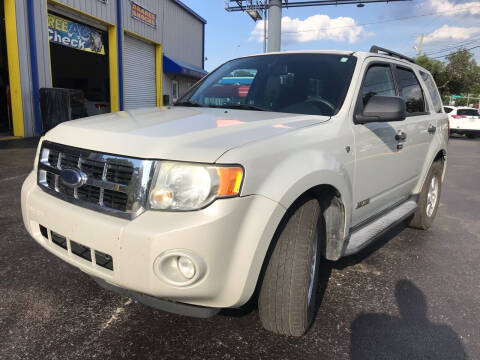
382 109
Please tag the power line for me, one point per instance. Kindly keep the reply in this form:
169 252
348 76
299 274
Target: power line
442 47
383 21
438 57
452 47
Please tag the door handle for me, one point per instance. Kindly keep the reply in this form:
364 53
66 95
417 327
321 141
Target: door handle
432 129
401 136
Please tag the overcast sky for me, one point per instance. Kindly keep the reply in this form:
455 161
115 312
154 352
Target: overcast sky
446 24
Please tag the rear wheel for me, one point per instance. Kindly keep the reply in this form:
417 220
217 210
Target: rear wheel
429 199
288 295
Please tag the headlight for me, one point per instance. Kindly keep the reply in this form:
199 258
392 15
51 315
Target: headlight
181 186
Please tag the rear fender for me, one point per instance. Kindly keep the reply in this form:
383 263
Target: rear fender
437 146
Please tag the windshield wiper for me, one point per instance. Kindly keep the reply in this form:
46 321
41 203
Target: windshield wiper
239 107
234 107
187 103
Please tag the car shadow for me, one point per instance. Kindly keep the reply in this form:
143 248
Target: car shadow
462 137
407 336
385 132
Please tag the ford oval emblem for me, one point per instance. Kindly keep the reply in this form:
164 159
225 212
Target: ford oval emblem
73 178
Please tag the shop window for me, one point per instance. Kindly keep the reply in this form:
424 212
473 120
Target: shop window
79 61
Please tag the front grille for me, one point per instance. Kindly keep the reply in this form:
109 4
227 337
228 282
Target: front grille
100 258
103 260
119 173
80 250
89 193
114 199
59 240
113 184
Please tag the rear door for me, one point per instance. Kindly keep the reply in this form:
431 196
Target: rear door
419 126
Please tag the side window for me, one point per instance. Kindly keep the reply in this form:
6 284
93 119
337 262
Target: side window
410 90
378 81
433 91
448 109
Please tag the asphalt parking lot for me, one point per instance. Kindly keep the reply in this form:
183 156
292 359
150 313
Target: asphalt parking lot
412 295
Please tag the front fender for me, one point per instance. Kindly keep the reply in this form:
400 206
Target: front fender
285 167
285 174
298 173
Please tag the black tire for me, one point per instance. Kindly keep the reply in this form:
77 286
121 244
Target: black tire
421 220
284 305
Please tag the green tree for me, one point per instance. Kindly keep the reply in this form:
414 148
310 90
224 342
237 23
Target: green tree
436 68
458 74
462 72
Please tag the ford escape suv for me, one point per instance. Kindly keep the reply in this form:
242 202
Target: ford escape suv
263 169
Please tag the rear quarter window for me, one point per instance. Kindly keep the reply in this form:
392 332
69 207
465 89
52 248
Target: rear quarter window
433 91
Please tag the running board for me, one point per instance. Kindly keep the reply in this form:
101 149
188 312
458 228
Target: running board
369 233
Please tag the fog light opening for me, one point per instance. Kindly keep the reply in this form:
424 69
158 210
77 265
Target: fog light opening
186 267
179 267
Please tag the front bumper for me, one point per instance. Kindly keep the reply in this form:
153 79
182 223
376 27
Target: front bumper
231 237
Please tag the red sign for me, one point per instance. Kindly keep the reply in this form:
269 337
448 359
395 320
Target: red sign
142 14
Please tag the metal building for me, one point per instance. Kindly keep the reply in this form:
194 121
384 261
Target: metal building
117 55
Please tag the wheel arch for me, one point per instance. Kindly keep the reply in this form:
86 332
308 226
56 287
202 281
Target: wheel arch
440 155
335 219
334 215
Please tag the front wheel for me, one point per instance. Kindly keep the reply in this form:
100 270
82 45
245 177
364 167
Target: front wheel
429 198
288 295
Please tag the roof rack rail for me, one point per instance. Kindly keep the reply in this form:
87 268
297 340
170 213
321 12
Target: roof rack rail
377 49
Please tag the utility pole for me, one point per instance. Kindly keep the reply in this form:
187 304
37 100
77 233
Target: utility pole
420 44
273 11
265 17
274 25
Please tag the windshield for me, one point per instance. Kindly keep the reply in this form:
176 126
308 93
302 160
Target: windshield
314 84
468 112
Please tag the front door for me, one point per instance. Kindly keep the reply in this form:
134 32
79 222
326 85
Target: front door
380 179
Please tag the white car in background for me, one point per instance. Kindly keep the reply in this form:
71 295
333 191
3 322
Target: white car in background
463 120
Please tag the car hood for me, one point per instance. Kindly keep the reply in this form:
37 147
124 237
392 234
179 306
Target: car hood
176 133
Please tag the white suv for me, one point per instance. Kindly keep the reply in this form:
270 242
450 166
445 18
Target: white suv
191 208
463 120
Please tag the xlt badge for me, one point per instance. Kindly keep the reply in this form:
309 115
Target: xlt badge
363 203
